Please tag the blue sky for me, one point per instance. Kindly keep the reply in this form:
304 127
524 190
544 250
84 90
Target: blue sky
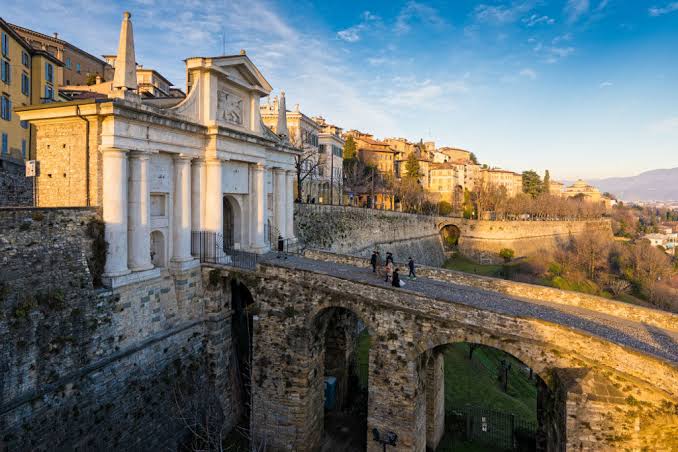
585 88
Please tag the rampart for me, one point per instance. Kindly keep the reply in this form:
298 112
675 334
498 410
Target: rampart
356 231
87 368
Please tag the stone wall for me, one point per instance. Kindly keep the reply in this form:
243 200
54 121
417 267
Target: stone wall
356 231
15 188
89 368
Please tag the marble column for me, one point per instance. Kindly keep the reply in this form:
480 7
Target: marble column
198 183
259 210
279 200
289 201
139 225
214 197
181 215
114 205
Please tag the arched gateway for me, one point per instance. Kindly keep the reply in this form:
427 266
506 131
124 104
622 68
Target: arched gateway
594 395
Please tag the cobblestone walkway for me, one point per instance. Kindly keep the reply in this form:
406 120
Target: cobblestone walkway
642 337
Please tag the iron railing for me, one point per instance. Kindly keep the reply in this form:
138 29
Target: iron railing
502 431
210 248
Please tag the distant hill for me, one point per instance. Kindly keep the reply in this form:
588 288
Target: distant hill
654 185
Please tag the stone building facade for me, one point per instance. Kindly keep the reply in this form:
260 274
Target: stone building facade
203 163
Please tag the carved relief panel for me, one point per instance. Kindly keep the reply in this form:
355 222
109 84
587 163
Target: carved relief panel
230 107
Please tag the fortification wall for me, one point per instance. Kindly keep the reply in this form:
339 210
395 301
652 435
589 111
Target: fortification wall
15 188
483 240
86 368
356 231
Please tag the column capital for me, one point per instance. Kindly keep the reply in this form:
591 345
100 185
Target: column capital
182 158
213 162
199 161
278 170
115 152
141 155
260 166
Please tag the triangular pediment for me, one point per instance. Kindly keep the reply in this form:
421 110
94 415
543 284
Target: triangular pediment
240 69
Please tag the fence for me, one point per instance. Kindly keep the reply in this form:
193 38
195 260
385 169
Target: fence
502 431
209 247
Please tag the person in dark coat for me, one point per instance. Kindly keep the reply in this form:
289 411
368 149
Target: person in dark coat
373 261
395 279
281 247
389 257
410 265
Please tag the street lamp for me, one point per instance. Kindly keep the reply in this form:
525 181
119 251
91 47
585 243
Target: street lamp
389 438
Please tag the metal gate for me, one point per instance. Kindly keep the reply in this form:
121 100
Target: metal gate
502 431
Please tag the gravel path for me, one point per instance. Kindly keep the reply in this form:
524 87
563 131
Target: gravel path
645 338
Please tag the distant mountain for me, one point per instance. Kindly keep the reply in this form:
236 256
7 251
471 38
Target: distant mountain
654 185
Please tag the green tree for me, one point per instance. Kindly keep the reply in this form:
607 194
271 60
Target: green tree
507 254
473 158
547 182
532 184
350 148
412 168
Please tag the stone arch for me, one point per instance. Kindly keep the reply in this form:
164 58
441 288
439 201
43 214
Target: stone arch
158 249
450 234
232 222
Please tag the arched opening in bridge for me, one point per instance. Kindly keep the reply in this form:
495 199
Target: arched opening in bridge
342 345
450 235
483 399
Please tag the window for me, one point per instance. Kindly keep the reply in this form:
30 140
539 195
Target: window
23 149
49 72
49 92
5 146
5 69
5 44
68 62
25 59
25 84
24 124
5 108
77 67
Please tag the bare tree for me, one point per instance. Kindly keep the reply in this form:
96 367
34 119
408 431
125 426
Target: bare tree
306 163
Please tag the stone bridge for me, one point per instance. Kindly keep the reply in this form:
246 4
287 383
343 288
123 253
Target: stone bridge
608 370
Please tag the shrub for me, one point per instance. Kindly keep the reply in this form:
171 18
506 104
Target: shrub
507 254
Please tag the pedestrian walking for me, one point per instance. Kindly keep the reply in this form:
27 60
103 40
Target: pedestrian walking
389 257
389 270
395 280
373 261
281 247
410 265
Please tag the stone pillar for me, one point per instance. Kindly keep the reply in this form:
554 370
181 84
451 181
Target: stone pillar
435 400
181 216
139 227
198 183
280 200
289 201
258 219
114 205
214 197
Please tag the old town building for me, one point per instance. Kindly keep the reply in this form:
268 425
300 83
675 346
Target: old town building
28 77
78 65
205 163
330 171
510 181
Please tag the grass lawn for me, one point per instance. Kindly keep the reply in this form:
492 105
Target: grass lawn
462 264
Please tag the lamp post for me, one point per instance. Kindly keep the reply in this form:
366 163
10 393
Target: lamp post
389 438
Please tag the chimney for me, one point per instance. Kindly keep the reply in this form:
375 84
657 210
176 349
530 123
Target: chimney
125 78
56 35
281 128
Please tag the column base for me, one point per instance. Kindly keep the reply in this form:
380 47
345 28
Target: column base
260 249
142 268
127 271
114 282
182 265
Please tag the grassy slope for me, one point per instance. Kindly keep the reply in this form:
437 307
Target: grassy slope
463 264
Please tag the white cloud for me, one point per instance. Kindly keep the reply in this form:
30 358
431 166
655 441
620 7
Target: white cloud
552 53
408 92
415 11
656 11
536 19
528 73
574 9
664 126
503 14
352 34
605 84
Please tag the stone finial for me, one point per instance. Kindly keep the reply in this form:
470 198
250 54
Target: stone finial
296 108
243 52
281 128
125 77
